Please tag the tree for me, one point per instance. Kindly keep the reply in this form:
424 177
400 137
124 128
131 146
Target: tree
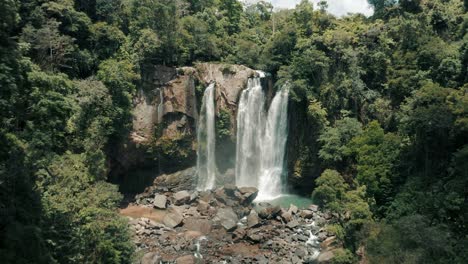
411 239
148 47
330 191
377 155
106 40
50 109
196 42
232 11
93 124
160 16
427 119
81 224
334 140
119 78
303 14
51 49
350 206
380 6
200 5
412 6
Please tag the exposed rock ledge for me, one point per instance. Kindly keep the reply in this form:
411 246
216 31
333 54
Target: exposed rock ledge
179 95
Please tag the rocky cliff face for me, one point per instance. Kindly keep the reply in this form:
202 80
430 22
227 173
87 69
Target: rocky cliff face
163 138
303 165
230 81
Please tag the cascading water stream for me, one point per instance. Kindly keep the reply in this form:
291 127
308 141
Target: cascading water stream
250 127
273 147
261 140
161 105
198 256
206 162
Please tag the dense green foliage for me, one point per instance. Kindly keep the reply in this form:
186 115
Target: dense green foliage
380 103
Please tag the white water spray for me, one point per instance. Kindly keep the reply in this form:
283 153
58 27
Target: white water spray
261 140
206 161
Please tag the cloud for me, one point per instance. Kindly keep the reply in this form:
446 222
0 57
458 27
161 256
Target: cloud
342 7
336 7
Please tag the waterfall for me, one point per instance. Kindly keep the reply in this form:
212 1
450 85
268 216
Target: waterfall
250 127
161 105
206 163
261 140
274 146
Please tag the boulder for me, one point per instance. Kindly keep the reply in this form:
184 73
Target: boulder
314 208
293 224
194 196
187 259
181 180
220 195
228 218
181 197
254 236
192 211
322 235
203 207
203 226
296 260
286 216
247 195
150 258
300 252
325 256
160 201
230 189
328 242
173 219
252 219
206 196
307 214
327 216
293 209
191 235
320 221
302 238
239 234
267 211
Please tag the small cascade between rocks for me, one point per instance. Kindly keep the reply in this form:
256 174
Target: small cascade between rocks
313 242
261 140
206 161
198 256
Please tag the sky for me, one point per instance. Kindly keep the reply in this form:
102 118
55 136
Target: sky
336 7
